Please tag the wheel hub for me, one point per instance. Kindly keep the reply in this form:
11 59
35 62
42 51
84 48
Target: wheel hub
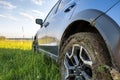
77 71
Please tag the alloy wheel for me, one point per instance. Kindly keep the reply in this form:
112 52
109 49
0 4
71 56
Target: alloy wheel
77 63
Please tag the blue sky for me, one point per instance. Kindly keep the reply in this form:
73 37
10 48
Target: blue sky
15 14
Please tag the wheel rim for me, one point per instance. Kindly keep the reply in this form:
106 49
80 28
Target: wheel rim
77 64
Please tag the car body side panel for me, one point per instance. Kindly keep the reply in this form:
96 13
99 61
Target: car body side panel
95 4
42 37
55 26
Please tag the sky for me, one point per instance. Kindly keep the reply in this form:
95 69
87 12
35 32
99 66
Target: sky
17 17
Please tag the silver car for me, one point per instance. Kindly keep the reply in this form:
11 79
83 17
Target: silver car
84 37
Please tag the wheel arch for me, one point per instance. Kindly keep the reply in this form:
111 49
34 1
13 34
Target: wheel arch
81 18
76 27
110 32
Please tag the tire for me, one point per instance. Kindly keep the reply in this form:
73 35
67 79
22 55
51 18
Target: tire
35 46
83 57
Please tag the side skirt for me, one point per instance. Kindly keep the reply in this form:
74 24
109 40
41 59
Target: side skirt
49 54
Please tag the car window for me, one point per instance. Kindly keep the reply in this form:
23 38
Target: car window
62 4
52 12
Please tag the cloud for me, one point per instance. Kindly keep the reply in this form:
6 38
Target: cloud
12 18
8 17
37 2
38 12
7 5
26 15
3 16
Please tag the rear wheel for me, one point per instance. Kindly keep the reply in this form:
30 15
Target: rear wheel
83 57
35 46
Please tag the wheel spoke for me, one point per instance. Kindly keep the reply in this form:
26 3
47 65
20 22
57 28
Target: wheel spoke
67 65
88 63
69 58
85 75
69 75
73 50
76 60
83 55
68 55
69 69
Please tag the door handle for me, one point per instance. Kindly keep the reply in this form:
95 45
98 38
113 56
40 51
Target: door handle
70 7
46 24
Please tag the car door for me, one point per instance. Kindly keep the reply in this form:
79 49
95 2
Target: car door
42 32
64 11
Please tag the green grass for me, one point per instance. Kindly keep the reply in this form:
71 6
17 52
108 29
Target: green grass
21 63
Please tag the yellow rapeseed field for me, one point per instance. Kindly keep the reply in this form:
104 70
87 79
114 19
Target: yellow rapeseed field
16 44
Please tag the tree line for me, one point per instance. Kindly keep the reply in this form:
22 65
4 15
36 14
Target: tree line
2 37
